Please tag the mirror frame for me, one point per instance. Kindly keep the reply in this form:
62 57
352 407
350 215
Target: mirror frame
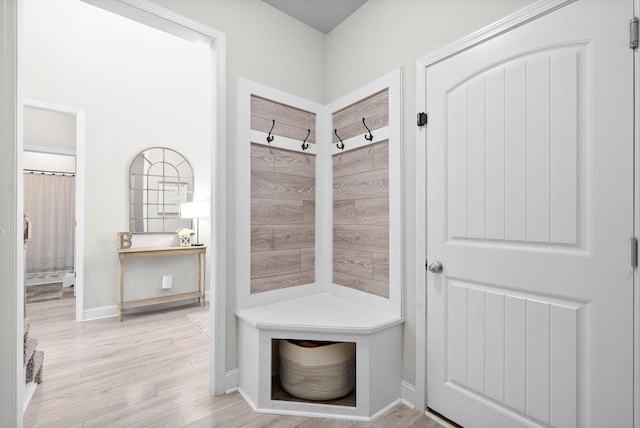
178 195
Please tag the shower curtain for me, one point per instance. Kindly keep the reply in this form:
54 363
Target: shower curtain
49 201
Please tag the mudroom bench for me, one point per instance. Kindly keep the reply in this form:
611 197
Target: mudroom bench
321 317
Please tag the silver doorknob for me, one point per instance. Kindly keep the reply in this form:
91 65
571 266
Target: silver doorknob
435 267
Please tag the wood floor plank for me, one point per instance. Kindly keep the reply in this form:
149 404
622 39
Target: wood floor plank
238 415
165 383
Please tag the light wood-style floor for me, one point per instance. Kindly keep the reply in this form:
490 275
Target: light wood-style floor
151 370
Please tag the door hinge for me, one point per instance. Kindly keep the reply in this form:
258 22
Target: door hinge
422 119
633 33
634 252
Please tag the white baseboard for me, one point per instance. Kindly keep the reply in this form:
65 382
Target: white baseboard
383 410
100 312
408 394
112 310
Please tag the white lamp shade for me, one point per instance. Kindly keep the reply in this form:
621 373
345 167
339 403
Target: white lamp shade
194 210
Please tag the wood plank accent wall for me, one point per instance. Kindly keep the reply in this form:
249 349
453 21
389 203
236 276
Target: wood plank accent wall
283 193
375 109
290 121
361 219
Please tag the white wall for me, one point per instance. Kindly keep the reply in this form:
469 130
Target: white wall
263 45
379 37
139 88
268 47
44 128
48 162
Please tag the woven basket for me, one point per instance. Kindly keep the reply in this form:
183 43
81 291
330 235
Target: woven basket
320 373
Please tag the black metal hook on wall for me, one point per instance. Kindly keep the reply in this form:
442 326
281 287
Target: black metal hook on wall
341 144
270 137
305 145
370 136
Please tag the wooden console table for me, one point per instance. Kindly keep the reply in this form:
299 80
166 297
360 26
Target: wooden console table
132 253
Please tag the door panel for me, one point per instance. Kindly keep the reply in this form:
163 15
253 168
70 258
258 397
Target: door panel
518 192
529 209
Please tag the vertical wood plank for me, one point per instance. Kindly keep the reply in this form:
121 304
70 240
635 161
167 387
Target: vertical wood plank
294 163
538 154
564 148
457 334
514 353
269 283
262 158
457 131
476 159
343 118
381 267
353 161
275 211
375 109
272 263
282 202
308 212
495 155
282 186
308 260
287 237
564 350
366 285
373 184
475 340
344 212
290 121
372 211
262 238
358 263
381 155
494 349
538 367
515 153
361 238
361 201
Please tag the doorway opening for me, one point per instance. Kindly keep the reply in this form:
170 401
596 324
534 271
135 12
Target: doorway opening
53 158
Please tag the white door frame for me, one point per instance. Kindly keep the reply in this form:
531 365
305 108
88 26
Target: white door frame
78 257
636 231
150 14
508 23
11 212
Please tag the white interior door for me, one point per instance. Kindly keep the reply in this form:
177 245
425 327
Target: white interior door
530 211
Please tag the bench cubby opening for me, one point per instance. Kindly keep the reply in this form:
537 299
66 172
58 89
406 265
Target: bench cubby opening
340 367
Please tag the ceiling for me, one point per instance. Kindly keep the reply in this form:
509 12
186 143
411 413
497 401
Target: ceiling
323 15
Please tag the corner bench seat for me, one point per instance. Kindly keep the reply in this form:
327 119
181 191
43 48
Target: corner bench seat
321 312
378 338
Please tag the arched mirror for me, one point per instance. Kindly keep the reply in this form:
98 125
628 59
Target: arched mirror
160 180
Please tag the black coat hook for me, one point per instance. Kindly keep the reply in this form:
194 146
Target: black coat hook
305 145
270 137
341 144
370 136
